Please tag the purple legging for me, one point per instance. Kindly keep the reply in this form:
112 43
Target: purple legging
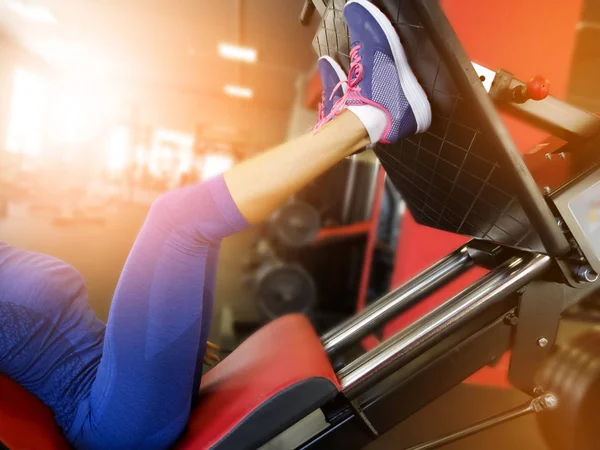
129 384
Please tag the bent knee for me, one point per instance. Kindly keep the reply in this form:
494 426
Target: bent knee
174 206
188 215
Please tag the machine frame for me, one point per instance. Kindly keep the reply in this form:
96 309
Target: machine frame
516 306
454 351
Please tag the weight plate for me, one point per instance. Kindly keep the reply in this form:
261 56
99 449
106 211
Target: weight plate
572 373
284 289
295 224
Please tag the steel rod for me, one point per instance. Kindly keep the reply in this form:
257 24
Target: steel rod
546 401
379 312
373 366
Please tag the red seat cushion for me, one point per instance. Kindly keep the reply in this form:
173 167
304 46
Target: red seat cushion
25 422
280 357
278 375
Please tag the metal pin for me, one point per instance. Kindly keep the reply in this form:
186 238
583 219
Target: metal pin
550 401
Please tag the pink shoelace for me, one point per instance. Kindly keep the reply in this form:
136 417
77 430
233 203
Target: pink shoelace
353 90
321 115
354 93
354 77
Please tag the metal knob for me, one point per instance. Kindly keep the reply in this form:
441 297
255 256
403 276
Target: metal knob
538 88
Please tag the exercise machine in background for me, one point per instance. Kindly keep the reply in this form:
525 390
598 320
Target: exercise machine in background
329 248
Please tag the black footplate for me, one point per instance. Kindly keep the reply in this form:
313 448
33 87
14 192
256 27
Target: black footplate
464 175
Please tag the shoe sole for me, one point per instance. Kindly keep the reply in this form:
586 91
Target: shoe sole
415 95
338 70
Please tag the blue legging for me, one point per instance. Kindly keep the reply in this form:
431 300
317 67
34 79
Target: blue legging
129 384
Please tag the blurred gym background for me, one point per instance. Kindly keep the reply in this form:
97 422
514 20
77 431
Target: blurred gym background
105 104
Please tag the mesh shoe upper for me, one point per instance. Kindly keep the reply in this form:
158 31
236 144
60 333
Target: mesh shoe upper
332 87
385 80
380 80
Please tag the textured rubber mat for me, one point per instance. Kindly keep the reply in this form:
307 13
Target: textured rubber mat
449 176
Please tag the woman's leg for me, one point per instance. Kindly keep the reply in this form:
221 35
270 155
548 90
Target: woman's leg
142 393
158 320
143 389
208 295
259 185
50 339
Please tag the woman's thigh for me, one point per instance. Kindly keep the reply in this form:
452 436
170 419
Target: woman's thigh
50 340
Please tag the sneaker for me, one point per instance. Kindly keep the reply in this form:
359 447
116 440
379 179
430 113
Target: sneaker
382 89
333 79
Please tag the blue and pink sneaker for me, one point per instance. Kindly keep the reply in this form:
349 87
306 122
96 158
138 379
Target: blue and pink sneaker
382 89
333 79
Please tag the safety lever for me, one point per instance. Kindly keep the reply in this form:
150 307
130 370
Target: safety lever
532 102
545 401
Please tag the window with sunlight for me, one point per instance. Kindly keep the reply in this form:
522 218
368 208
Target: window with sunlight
118 149
25 126
171 153
215 165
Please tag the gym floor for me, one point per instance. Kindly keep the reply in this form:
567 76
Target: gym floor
109 246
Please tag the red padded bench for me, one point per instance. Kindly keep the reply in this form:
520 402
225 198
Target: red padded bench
276 377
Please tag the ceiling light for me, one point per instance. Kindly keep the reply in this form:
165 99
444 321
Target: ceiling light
237 52
238 91
31 12
215 164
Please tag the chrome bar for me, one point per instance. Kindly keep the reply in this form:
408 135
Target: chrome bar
384 309
373 366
